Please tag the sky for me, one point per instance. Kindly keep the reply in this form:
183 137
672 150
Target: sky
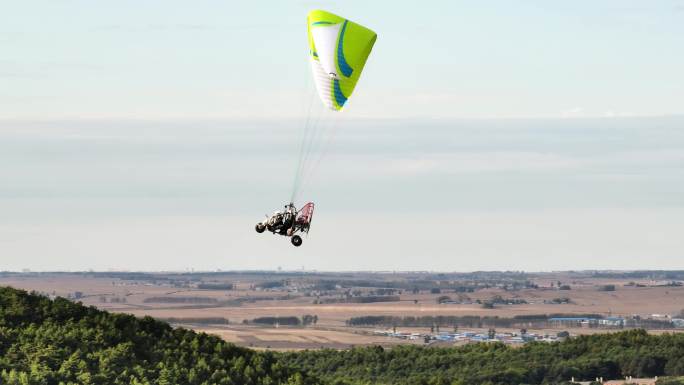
482 136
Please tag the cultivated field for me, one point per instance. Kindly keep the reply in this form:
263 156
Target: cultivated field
229 304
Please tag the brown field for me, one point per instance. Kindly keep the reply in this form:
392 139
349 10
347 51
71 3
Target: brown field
246 302
296 338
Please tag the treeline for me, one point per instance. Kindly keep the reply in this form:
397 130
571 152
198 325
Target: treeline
46 342
418 285
251 299
544 317
272 284
450 321
611 356
285 321
202 300
215 286
361 299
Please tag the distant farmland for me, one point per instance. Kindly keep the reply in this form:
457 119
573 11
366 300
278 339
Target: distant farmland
226 303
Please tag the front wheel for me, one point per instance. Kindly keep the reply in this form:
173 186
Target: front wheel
296 240
259 228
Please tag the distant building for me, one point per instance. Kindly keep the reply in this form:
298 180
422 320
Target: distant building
574 321
660 317
615 322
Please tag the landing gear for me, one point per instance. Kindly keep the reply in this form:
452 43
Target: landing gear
260 228
296 240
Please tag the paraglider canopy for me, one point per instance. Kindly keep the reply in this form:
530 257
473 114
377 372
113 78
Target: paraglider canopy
338 50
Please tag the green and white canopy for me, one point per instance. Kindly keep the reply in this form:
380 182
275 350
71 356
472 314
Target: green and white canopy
338 49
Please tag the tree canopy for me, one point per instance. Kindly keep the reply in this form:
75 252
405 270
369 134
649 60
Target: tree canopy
57 341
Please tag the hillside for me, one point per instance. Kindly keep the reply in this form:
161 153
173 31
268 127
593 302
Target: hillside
46 341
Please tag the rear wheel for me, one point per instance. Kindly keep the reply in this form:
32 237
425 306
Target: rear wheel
296 240
260 228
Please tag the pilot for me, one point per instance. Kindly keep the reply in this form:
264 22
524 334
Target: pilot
289 216
276 218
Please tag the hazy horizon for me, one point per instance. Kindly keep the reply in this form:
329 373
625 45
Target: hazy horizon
473 195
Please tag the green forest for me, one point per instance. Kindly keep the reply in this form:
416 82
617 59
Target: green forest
45 341
57 341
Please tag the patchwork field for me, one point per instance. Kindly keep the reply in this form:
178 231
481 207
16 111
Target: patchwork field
230 304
